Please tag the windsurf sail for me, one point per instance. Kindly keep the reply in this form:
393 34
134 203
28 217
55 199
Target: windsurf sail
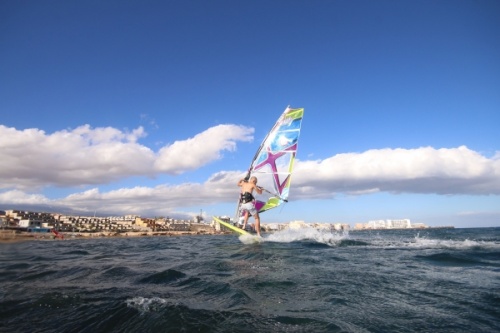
273 161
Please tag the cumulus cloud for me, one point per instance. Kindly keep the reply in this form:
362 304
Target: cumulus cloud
203 148
21 198
446 171
422 170
163 199
32 158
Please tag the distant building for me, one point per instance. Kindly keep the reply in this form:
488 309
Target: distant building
388 224
59 222
297 225
399 224
377 224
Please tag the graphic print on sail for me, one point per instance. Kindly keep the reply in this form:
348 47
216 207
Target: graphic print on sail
273 161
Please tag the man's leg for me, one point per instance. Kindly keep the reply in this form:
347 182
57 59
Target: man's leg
257 223
246 220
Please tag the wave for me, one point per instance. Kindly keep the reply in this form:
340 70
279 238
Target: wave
308 234
316 237
431 243
164 277
452 259
423 242
77 252
294 281
171 316
144 304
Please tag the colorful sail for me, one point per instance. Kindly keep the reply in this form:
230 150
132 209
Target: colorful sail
273 162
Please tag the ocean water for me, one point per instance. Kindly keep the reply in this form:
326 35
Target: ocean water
438 280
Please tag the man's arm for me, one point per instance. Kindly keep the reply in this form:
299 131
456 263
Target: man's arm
258 189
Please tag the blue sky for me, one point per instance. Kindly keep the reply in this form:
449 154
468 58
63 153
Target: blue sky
157 107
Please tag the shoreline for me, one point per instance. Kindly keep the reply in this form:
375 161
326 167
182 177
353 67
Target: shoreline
11 236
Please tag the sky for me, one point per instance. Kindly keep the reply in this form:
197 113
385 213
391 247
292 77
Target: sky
156 108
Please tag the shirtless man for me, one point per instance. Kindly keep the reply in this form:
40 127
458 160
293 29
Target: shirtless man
248 201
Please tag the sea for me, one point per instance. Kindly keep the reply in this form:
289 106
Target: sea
432 280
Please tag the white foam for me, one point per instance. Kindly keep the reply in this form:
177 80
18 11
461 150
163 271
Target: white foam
422 242
321 236
250 239
419 242
144 304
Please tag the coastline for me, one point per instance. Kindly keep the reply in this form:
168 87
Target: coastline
12 236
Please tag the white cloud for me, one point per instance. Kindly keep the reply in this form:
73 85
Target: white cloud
201 149
95 156
32 158
422 170
161 199
19 197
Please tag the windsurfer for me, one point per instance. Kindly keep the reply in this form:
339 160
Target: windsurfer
248 201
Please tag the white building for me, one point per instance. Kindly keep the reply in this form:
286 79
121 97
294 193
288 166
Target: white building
388 224
376 224
400 224
297 225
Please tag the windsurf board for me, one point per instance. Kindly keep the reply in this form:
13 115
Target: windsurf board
232 227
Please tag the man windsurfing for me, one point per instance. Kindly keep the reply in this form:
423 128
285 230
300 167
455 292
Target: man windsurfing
248 201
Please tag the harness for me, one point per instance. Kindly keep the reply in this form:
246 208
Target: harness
246 197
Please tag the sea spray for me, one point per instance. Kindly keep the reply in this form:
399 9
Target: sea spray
308 234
